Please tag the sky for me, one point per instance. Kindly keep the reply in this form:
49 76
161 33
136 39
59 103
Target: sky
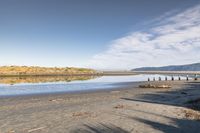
99 34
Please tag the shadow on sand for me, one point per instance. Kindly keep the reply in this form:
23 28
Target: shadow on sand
178 98
173 126
99 128
180 125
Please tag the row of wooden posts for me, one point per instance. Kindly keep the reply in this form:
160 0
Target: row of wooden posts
172 78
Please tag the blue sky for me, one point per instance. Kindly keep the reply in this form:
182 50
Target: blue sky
101 34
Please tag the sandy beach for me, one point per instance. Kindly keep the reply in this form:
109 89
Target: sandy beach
128 109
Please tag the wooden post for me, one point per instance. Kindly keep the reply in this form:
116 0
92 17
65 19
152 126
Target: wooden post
172 78
160 79
154 79
166 78
148 79
179 78
187 78
195 77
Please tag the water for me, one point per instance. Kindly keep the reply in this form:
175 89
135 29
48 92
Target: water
12 86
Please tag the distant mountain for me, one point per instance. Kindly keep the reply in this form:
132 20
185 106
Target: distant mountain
188 67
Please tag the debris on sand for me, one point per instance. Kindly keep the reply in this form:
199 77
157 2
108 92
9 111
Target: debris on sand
119 106
55 100
194 104
12 131
194 111
79 114
192 114
154 86
35 129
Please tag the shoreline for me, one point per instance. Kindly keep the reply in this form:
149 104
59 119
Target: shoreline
118 86
121 86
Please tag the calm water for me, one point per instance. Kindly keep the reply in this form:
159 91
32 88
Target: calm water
11 86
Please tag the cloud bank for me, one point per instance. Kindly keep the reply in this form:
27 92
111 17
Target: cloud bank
172 40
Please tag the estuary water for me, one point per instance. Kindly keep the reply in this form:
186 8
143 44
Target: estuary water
13 86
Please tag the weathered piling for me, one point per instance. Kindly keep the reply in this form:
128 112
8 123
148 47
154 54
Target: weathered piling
166 78
148 79
195 77
187 78
159 79
179 78
154 79
172 78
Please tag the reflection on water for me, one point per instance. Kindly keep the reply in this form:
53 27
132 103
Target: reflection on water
42 79
12 86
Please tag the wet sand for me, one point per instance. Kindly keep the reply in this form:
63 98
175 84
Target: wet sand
128 109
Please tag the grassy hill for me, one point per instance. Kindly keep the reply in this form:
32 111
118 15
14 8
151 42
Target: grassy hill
188 67
25 70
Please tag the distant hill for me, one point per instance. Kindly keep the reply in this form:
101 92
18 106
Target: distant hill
25 70
188 67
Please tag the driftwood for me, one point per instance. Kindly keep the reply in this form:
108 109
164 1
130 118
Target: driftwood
35 129
154 86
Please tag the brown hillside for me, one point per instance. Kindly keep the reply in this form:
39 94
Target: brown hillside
24 70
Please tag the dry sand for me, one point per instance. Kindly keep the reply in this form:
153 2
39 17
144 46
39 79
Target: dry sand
126 110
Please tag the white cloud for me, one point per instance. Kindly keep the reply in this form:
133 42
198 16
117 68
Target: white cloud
175 40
